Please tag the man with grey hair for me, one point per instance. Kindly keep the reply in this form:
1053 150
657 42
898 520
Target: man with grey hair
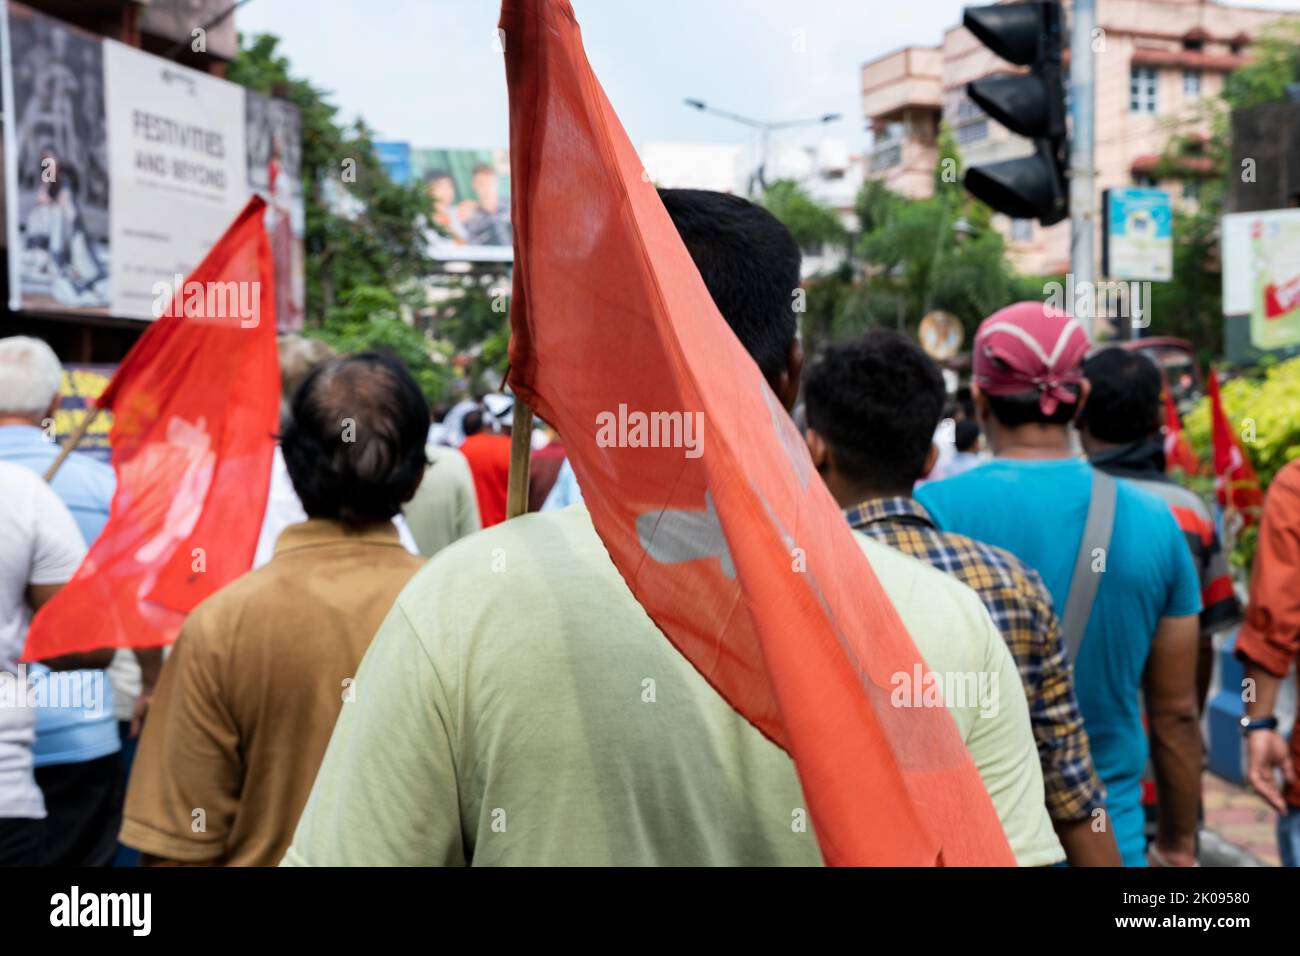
78 750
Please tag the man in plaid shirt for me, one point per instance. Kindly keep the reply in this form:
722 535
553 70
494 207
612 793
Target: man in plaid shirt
872 406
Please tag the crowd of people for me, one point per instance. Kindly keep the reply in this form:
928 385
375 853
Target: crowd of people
406 677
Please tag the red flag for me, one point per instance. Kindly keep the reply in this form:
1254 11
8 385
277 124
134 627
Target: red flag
738 553
195 405
1234 477
1178 450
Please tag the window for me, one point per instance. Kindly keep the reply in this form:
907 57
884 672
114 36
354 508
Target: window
1022 230
1192 83
973 132
1192 190
887 156
1143 181
1142 90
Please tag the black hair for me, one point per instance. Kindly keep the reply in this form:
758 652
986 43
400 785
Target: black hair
437 174
965 434
1022 408
750 265
1124 396
472 423
877 401
354 442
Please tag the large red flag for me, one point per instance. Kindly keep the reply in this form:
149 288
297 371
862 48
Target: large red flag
195 407
1178 450
733 546
1235 482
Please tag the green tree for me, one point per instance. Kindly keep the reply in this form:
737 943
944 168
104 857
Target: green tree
1190 306
811 224
369 318
362 229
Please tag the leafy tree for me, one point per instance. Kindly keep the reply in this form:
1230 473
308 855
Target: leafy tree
368 319
1190 306
362 229
811 224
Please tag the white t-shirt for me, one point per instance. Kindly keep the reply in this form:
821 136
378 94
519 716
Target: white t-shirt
39 544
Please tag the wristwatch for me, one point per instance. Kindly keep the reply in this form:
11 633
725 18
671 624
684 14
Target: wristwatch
1249 724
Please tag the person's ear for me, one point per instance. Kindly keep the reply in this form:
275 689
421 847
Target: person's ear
50 412
980 401
931 459
1085 389
818 450
787 384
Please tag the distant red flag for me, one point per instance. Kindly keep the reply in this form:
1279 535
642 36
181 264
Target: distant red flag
1235 483
737 551
1178 450
195 406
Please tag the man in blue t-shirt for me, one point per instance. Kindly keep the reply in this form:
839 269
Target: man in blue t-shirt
1140 642
78 750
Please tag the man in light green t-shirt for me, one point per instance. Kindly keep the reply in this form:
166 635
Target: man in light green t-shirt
518 706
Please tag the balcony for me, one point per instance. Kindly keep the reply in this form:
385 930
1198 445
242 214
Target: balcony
908 79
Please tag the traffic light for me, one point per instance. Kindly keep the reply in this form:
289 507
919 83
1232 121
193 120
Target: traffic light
1033 105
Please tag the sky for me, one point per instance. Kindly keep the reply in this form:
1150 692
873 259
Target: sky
427 71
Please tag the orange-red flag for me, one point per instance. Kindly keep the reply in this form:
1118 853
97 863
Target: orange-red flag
1235 482
1178 450
195 406
738 553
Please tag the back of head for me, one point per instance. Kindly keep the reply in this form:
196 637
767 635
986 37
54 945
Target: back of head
966 434
1027 359
876 401
354 444
750 265
1124 397
472 423
29 377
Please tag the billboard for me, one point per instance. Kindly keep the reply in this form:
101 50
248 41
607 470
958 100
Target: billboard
1261 274
79 386
123 168
470 189
396 159
1138 235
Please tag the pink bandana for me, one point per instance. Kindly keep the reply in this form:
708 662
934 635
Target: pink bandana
1028 347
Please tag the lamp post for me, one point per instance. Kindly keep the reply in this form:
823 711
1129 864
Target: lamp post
765 128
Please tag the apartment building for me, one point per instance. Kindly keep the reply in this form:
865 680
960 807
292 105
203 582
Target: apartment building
1157 60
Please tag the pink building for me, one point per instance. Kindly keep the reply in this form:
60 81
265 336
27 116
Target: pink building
1156 61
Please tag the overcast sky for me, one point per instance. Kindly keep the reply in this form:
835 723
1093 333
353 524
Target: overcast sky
425 70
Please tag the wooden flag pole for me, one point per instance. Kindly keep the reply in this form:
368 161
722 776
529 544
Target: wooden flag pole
73 441
521 450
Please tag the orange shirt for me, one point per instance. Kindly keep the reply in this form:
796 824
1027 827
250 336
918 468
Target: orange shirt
489 463
1271 635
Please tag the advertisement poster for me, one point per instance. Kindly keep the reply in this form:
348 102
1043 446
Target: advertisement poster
1275 269
79 386
396 159
1139 235
123 168
470 189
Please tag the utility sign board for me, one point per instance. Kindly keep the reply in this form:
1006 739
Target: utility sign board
1138 235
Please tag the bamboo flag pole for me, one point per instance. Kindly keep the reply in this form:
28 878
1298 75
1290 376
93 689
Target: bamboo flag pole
521 448
73 441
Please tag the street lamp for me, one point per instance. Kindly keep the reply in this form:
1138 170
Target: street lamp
765 127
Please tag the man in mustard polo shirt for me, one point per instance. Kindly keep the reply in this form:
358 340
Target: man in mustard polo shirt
518 707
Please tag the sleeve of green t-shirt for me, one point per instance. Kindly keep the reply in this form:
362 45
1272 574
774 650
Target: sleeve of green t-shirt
1002 745
387 794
